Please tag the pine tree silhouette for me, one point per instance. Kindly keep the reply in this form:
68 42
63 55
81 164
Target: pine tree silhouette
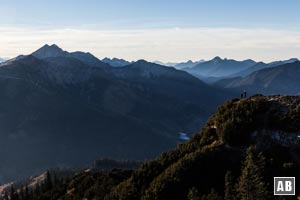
251 185
229 191
193 194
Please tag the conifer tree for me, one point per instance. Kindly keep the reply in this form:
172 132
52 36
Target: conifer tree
213 195
193 194
48 182
26 193
22 193
55 179
37 191
12 193
5 197
229 191
16 196
251 185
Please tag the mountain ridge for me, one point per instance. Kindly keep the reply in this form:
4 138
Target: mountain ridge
139 108
282 79
260 137
218 67
116 62
54 51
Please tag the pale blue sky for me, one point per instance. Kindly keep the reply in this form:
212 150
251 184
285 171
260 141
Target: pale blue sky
137 28
151 13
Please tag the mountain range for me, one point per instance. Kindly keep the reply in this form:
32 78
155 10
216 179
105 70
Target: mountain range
116 62
282 79
188 64
262 65
66 109
54 51
180 65
218 67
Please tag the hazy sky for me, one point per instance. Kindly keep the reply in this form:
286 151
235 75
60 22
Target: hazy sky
166 30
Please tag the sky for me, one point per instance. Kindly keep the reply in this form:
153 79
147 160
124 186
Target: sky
165 30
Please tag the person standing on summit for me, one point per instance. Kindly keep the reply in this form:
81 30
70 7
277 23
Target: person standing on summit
245 94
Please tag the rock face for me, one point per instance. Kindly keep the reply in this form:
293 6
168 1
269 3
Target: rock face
62 109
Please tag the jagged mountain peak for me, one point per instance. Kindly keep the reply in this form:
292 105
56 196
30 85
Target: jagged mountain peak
52 47
218 67
281 62
52 51
116 62
47 51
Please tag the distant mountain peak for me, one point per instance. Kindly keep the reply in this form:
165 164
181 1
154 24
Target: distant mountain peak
218 67
116 62
281 62
53 51
142 61
249 60
2 60
52 47
293 60
47 51
217 59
